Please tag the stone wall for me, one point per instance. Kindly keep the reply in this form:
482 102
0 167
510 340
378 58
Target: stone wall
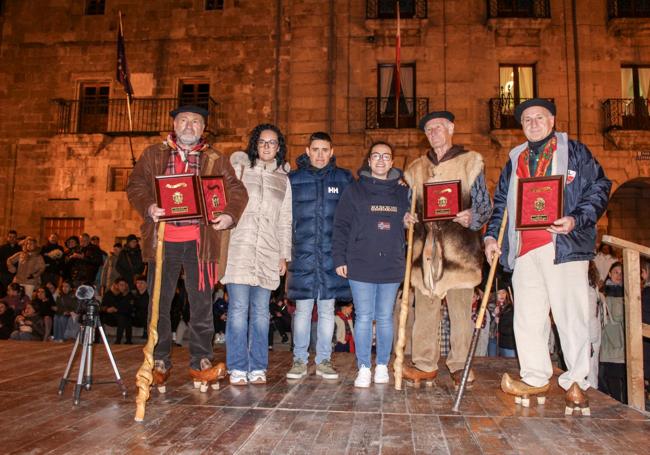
306 65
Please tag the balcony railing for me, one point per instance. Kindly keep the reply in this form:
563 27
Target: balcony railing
502 112
110 116
531 9
618 9
387 9
380 112
626 114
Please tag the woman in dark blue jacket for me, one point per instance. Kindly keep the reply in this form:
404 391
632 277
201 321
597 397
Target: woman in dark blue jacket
368 248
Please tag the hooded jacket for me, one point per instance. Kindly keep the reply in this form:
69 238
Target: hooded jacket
263 235
315 195
141 191
368 228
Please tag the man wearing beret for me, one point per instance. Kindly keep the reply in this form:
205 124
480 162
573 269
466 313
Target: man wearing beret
192 245
447 255
550 264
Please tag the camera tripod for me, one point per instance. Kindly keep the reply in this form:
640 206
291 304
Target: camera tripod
86 337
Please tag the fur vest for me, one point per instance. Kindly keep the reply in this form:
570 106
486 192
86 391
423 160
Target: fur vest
445 254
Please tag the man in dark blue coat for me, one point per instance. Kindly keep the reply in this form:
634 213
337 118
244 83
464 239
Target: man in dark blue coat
550 264
317 186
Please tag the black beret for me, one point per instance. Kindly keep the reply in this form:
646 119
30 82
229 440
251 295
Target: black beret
131 237
546 104
190 108
435 114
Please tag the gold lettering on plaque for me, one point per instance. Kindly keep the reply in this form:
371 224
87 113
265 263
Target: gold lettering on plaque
177 197
176 185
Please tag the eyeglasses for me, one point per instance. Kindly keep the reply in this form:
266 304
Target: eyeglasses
381 156
263 144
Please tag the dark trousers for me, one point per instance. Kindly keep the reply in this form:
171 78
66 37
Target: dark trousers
612 380
124 324
177 255
281 325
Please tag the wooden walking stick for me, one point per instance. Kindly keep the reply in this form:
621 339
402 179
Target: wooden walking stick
404 305
480 316
144 376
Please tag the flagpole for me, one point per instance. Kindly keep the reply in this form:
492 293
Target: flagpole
128 103
398 45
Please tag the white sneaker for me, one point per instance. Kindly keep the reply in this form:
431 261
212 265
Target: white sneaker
257 377
381 374
363 377
238 377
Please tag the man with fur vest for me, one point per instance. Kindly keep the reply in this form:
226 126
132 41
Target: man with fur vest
550 265
447 255
192 245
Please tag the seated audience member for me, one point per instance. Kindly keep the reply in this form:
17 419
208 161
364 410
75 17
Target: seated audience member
595 305
141 304
344 328
118 302
46 307
612 374
220 316
507 345
54 290
16 298
66 306
280 319
28 265
29 325
7 317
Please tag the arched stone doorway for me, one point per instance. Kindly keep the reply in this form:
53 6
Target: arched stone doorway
628 212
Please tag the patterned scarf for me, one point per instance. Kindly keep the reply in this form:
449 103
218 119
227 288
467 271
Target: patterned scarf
543 161
192 160
190 157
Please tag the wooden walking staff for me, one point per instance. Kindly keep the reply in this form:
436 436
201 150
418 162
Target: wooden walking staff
481 315
144 376
404 305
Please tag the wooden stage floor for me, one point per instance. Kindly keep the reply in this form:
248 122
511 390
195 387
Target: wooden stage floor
308 416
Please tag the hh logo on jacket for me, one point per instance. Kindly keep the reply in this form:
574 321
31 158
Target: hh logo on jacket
333 189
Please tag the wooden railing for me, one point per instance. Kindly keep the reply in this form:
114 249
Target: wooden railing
635 330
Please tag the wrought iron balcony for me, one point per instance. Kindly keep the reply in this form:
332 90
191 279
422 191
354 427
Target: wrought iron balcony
387 9
529 9
627 114
380 112
502 112
109 116
618 9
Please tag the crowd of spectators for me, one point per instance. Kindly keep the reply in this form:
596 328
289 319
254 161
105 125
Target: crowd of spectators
38 303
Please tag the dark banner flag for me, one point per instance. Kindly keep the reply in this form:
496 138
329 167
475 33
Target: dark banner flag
122 74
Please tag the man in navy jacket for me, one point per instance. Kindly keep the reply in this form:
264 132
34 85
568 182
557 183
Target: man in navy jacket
550 265
317 186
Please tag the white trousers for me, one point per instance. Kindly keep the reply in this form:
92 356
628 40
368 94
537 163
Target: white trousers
540 286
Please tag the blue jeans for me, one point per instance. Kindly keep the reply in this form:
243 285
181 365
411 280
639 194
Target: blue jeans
373 301
60 323
302 329
492 347
505 352
247 341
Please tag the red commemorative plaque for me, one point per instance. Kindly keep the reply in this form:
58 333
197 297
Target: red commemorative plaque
442 200
539 202
213 192
179 196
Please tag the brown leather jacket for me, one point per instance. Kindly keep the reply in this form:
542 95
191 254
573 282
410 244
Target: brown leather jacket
141 192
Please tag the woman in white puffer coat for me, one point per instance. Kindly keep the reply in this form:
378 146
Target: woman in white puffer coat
260 246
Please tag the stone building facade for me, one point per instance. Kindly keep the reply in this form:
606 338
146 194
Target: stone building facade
305 65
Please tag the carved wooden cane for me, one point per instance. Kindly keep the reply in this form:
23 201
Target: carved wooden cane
480 316
144 376
404 306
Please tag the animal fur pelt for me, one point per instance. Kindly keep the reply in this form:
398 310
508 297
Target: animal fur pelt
445 254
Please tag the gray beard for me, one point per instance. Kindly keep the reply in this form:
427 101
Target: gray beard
188 139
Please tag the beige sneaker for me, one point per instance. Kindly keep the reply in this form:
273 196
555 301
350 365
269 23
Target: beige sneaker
298 370
326 370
